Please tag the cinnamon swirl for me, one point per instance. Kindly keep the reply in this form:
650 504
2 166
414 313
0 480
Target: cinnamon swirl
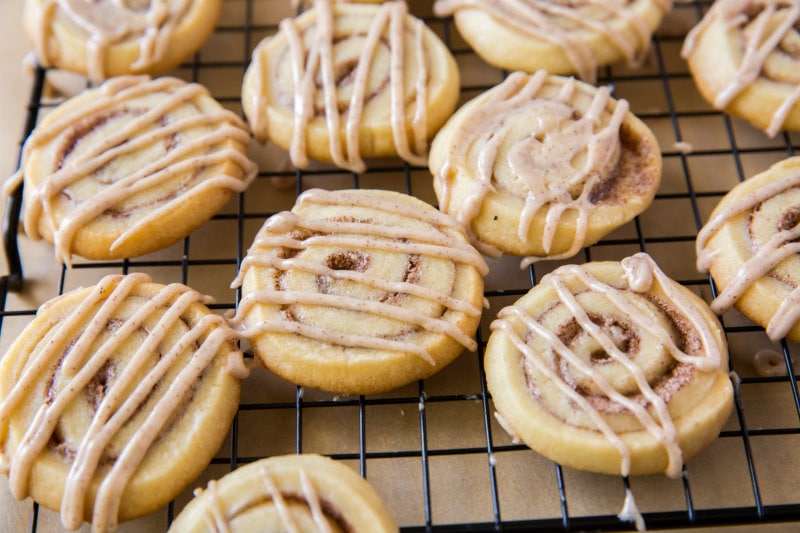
744 58
347 81
114 398
750 245
105 38
611 367
360 291
559 36
287 493
543 165
130 167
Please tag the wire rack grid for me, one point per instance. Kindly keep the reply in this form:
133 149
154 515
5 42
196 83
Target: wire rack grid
433 449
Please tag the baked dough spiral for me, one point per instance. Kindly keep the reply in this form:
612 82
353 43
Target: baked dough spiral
544 165
611 367
106 38
298 493
130 167
116 397
559 36
745 58
749 245
346 81
360 291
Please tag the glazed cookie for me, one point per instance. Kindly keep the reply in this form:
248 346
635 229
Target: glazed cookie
561 37
105 38
346 81
544 165
115 398
131 167
749 245
610 367
745 59
302 493
360 291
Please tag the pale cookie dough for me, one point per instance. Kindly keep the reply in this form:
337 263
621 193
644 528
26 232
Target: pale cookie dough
130 167
115 398
342 82
301 493
106 38
611 367
750 246
561 37
544 165
745 59
360 291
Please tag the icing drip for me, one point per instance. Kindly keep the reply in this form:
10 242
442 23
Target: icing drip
658 422
769 363
355 236
545 167
139 134
316 59
765 257
109 22
555 23
123 399
630 512
763 37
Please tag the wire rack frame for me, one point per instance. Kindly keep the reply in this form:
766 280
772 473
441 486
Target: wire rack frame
746 432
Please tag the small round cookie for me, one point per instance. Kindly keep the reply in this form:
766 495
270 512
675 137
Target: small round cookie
745 59
543 165
115 398
346 81
610 367
750 246
561 37
106 38
359 292
131 167
303 493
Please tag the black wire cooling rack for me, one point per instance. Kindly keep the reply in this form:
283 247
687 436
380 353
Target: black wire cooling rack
433 449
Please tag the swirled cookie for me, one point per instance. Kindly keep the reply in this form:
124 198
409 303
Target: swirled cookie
115 398
131 167
611 367
745 56
106 38
750 246
559 36
346 81
360 291
543 165
287 493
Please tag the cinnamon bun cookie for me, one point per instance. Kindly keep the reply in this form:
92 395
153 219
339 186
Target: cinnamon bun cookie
346 81
559 36
106 38
750 245
745 59
360 291
303 493
115 398
131 167
611 367
543 165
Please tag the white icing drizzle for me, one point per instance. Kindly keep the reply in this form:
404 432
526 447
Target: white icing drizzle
769 363
659 424
109 22
761 36
390 22
360 235
763 260
138 134
117 406
630 512
554 22
545 167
